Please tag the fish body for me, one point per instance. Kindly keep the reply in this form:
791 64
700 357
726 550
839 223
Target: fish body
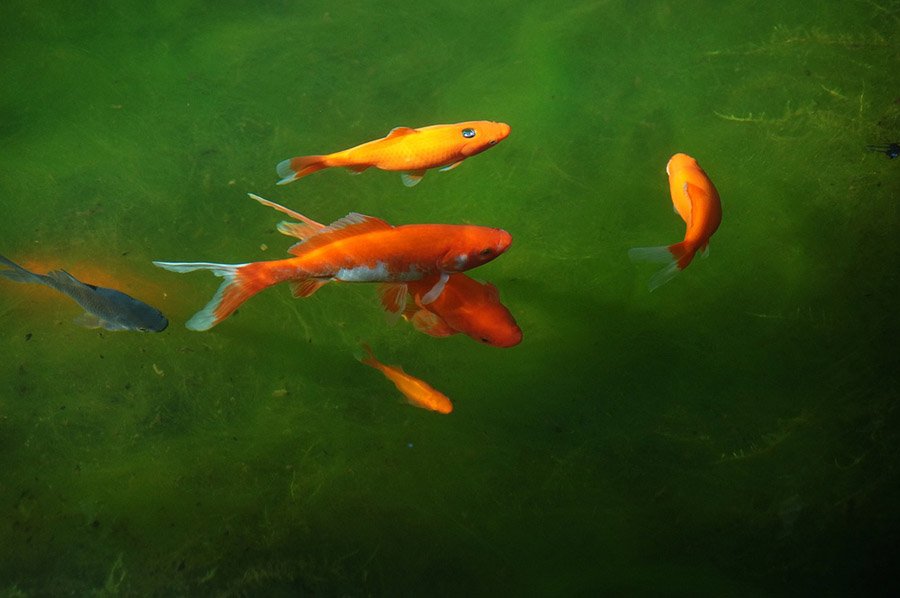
465 306
696 200
104 308
407 150
417 392
356 248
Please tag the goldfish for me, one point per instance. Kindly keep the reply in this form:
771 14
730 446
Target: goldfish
103 308
417 392
410 151
697 202
356 248
465 306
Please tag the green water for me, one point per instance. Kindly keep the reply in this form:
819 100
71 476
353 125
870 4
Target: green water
734 432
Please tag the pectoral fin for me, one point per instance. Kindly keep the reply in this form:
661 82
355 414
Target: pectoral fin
88 320
431 324
451 166
411 179
436 290
393 297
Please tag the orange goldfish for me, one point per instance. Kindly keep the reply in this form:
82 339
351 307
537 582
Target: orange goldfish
697 202
417 392
356 248
410 151
466 305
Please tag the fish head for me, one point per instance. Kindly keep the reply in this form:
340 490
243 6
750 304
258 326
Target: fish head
479 314
478 135
152 320
124 312
679 162
474 246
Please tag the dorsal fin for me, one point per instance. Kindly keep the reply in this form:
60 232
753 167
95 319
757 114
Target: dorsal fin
298 230
351 225
400 132
63 277
682 204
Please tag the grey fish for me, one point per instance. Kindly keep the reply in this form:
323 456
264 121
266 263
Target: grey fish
104 308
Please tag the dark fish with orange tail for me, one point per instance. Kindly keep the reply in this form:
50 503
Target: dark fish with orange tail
696 200
407 150
103 308
417 392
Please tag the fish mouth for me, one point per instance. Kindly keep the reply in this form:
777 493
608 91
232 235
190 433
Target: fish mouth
504 241
159 327
512 340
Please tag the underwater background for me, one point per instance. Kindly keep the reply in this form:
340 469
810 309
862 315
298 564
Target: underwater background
734 432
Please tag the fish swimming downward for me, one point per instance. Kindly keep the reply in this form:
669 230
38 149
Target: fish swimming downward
696 200
356 248
465 306
103 307
407 150
417 392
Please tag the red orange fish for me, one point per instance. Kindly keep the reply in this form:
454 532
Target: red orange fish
356 248
697 202
407 150
465 306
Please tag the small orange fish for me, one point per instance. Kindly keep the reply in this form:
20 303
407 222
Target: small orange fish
407 150
697 202
417 392
465 306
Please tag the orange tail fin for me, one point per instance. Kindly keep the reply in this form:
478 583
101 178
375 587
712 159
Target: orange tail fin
295 168
242 281
368 357
677 257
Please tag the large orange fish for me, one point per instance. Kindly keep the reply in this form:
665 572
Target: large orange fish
465 306
356 248
407 150
417 392
697 202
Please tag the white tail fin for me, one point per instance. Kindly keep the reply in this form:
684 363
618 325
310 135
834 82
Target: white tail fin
676 257
237 288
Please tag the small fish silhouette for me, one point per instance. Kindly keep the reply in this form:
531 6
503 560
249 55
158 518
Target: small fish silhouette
891 150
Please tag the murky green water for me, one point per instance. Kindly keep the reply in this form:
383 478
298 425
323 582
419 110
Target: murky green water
735 432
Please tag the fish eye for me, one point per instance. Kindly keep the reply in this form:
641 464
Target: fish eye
468 133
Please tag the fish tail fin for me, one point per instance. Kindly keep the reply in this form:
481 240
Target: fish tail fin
242 281
295 168
676 257
17 273
367 356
